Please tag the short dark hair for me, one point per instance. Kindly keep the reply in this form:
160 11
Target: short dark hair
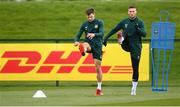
132 7
89 11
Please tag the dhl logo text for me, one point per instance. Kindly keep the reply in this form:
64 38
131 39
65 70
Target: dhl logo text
14 63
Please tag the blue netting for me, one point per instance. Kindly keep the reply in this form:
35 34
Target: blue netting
163 35
162 46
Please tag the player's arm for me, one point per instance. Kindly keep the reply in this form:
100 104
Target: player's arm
78 35
113 31
100 33
141 29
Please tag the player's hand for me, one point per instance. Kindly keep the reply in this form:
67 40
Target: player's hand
105 43
90 35
137 26
76 43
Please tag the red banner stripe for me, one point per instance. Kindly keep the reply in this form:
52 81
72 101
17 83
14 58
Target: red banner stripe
65 69
91 69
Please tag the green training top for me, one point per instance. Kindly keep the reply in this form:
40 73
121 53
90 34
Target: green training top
96 27
128 27
134 29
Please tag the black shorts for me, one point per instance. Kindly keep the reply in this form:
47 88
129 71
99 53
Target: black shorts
134 49
96 52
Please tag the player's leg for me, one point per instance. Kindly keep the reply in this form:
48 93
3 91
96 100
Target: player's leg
97 63
135 64
97 56
124 42
84 47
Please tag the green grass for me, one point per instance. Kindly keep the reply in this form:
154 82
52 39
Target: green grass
62 19
83 93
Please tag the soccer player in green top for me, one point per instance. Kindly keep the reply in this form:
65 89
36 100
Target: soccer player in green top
94 31
132 31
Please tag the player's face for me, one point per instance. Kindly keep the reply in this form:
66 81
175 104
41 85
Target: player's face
132 12
90 17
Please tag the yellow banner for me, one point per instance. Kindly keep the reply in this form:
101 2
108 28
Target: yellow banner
64 62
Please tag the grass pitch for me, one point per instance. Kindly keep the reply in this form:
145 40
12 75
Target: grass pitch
62 18
83 94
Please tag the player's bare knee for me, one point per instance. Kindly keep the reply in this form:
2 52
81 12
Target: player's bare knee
98 67
87 46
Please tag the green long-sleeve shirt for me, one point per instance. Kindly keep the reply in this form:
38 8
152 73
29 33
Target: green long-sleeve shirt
128 26
96 27
129 29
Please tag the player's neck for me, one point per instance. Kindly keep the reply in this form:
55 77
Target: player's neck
133 18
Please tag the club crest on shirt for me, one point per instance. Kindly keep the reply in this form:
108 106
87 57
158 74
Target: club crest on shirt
96 26
126 25
86 28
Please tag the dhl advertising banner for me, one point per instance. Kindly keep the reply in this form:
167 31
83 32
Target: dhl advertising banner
64 62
